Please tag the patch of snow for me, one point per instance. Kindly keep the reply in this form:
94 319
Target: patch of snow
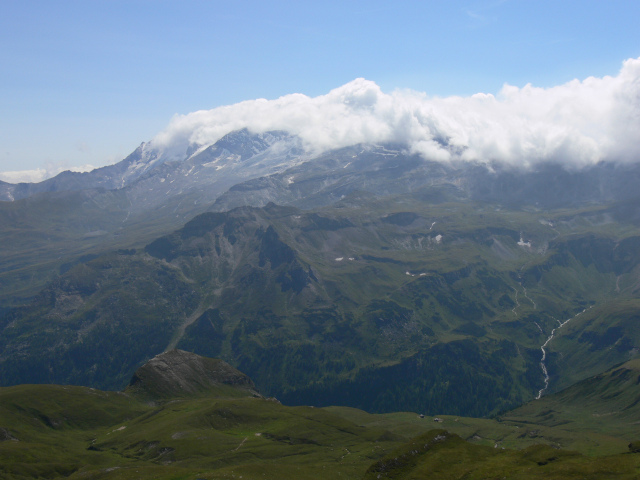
432 226
339 259
199 150
351 259
522 243
438 238
162 180
290 180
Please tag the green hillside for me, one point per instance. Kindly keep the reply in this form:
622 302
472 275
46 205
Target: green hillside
608 403
380 304
439 454
214 427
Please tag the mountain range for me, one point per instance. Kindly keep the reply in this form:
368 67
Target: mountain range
365 276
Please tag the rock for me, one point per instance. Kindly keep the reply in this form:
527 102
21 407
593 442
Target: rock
181 374
5 436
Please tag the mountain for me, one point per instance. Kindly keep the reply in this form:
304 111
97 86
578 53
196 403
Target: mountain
110 177
365 275
377 302
391 169
276 164
155 191
124 205
237 155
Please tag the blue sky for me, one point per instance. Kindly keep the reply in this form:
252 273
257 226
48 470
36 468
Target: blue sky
84 82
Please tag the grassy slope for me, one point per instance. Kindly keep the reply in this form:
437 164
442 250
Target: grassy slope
600 337
46 234
51 427
607 403
77 432
442 455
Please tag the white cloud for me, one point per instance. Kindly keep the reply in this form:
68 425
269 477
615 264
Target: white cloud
30 176
578 123
40 174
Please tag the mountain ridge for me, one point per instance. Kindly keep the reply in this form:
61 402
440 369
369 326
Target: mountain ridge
325 303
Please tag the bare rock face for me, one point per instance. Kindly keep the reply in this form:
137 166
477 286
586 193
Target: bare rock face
5 436
181 374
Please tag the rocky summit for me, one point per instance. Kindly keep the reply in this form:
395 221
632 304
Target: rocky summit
178 373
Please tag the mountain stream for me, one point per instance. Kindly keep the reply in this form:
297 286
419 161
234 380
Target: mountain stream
543 365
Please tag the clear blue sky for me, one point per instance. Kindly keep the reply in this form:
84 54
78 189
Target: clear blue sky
87 81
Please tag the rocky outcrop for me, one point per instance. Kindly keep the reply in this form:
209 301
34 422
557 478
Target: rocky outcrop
5 436
178 374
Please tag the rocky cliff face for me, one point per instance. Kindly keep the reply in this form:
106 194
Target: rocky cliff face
178 373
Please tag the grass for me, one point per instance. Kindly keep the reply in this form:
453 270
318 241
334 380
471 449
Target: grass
439 454
52 431
83 433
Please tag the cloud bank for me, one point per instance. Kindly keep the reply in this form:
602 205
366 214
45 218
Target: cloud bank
578 123
40 174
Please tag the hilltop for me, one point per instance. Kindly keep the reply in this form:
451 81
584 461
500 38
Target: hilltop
177 373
